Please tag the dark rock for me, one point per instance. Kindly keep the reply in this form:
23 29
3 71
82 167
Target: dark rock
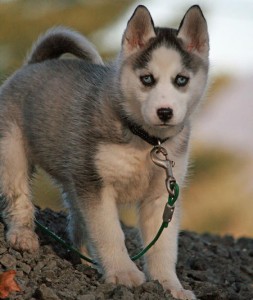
122 292
46 293
2 250
86 297
8 261
24 267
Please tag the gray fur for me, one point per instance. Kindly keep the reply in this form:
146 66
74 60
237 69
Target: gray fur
66 117
61 40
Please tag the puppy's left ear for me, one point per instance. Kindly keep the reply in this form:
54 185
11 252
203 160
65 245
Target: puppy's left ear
140 29
193 32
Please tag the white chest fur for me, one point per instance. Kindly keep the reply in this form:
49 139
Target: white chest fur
126 168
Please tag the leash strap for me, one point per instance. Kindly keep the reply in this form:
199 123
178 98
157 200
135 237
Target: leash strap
62 242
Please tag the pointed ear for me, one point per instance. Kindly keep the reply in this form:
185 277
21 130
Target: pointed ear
140 29
193 32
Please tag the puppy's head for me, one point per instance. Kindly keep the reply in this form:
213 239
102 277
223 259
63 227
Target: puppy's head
163 71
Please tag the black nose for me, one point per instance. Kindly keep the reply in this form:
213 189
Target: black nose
165 114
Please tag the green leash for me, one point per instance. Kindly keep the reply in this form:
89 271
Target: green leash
173 191
61 241
167 215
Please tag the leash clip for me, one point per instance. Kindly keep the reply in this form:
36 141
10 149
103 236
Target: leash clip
165 164
168 213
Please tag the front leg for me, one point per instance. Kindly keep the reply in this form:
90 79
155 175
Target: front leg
108 240
162 257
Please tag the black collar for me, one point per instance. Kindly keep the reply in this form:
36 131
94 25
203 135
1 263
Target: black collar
143 134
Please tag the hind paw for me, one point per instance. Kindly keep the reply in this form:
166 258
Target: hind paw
23 239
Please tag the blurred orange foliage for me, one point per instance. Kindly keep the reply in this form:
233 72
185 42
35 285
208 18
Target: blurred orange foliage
8 284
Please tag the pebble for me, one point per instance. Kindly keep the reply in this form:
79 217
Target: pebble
8 261
86 297
123 293
24 267
46 293
49 275
2 250
39 266
106 288
15 253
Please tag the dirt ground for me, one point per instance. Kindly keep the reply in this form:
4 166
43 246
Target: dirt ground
213 267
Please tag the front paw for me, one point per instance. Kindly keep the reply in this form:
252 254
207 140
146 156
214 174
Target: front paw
129 276
23 239
178 292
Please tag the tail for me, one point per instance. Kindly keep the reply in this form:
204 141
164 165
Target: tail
61 40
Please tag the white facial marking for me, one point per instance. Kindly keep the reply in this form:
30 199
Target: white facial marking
165 65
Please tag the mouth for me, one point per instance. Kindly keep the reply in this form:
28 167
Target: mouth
163 125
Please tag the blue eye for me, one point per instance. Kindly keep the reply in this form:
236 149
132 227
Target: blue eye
181 80
147 80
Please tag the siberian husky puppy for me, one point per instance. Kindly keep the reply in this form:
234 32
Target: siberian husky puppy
92 126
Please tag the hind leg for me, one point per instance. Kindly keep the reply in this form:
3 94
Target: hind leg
18 212
76 225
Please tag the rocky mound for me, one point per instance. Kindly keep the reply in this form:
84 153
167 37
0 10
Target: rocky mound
214 267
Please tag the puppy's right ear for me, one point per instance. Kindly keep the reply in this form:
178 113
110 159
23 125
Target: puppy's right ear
140 29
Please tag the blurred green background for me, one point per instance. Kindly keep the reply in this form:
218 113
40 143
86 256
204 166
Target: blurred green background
219 192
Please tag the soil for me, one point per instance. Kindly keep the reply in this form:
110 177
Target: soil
213 267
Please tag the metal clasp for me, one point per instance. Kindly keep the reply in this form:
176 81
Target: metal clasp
168 213
165 164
